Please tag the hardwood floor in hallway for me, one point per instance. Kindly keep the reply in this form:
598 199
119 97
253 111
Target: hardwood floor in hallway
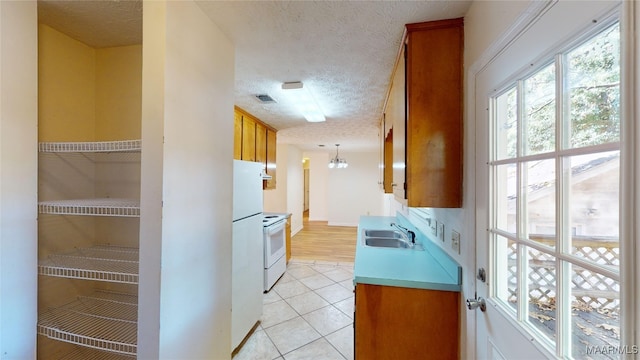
318 241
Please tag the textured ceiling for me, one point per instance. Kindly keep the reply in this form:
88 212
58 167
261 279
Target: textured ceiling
98 24
343 52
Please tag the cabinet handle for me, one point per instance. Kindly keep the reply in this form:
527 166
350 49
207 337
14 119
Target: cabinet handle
394 184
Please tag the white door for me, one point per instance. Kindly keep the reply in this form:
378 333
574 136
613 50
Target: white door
539 202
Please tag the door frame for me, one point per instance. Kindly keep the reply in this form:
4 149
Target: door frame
630 170
478 136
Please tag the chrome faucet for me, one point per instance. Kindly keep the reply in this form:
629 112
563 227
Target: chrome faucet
410 234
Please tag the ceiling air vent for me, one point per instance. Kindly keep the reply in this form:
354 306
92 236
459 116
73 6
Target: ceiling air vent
264 98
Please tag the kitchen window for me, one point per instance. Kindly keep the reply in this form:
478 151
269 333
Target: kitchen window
555 197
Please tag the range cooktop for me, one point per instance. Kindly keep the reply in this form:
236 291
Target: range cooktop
270 219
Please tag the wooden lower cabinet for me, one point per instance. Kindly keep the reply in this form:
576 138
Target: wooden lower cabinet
288 239
405 323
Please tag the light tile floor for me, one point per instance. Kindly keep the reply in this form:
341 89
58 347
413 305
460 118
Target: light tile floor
308 314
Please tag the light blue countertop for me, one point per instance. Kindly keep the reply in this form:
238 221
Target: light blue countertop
430 269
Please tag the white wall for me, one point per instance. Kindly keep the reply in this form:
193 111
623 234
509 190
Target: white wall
341 196
287 196
18 178
318 181
153 97
295 184
493 18
185 242
354 191
275 200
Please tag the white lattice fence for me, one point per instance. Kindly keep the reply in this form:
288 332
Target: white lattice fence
591 291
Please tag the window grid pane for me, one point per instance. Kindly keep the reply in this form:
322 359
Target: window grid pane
506 197
506 129
595 314
593 90
540 112
506 255
541 279
536 183
594 207
540 201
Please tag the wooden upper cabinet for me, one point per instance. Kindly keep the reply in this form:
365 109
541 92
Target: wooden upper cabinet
434 114
255 141
386 155
237 136
271 159
248 139
427 146
387 176
396 114
261 144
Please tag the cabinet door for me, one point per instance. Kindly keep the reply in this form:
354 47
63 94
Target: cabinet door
237 136
396 112
261 144
387 177
271 159
404 323
434 114
386 155
248 139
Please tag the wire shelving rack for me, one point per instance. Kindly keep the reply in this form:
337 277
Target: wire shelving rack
92 207
81 353
91 146
100 262
104 321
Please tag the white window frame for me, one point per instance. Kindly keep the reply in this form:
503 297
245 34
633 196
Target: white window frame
563 335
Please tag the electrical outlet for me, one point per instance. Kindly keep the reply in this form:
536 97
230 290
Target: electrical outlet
455 241
441 231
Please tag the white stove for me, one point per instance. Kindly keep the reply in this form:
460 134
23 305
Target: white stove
275 264
270 219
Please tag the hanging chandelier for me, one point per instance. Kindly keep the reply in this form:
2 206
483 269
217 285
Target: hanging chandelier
337 162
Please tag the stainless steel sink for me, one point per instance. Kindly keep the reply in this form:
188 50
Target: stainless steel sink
394 234
386 242
388 239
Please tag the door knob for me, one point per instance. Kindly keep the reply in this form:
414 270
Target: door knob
473 304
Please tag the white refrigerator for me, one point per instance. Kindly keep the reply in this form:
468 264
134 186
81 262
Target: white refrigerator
248 245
